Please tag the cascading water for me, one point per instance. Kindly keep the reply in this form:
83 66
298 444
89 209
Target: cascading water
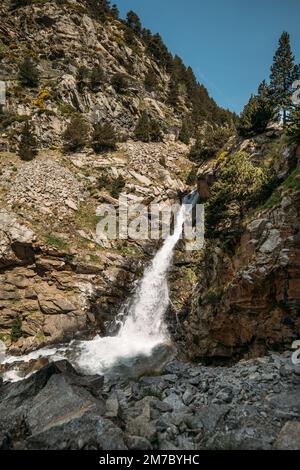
144 326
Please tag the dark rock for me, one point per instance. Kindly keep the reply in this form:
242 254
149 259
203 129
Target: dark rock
60 402
88 431
137 443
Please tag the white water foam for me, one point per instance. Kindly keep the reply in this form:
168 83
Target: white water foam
143 328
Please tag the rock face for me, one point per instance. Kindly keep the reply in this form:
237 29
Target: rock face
247 302
253 405
58 279
65 37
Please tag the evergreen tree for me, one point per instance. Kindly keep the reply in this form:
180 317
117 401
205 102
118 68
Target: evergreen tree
104 137
173 95
148 130
155 131
99 9
283 73
157 48
186 131
28 144
129 37
293 130
115 13
257 114
134 22
28 73
142 130
209 144
75 135
151 80
20 3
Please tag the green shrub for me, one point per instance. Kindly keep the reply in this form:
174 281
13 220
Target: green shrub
192 176
28 144
186 131
104 137
117 186
113 185
151 80
97 77
237 189
76 134
7 119
28 73
210 144
16 329
120 82
148 130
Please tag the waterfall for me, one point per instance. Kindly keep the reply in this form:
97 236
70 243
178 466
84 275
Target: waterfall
143 328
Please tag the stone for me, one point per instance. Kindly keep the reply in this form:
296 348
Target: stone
272 242
71 204
112 408
174 401
289 437
86 431
137 443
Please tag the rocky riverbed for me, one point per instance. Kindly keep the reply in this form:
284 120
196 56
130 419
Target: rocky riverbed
254 404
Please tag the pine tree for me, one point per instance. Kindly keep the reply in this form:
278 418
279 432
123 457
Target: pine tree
134 22
283 73
173 95
28 144
129 37
142 130
293 130
186 131
155 131
147 129
115 13
28 73
257 114
99 9
151 80
104 137
75 136
209 144
20 3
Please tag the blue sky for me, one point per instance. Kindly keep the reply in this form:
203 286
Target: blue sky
229 43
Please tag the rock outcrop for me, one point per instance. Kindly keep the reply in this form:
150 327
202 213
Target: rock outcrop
253 405
247 301
58 279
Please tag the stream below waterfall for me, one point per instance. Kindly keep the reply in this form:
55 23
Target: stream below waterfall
142 340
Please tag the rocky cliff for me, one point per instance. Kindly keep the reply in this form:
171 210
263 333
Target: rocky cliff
247 299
